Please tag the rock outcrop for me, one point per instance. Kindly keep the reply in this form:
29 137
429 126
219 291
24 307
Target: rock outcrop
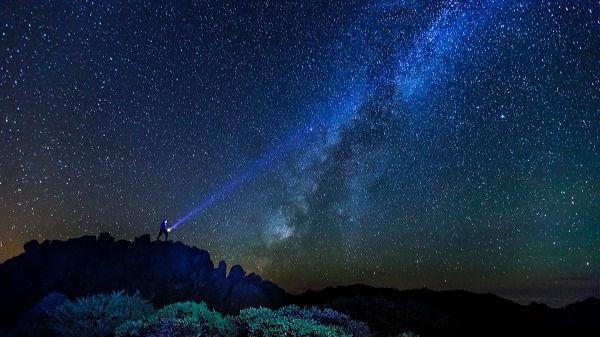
163 272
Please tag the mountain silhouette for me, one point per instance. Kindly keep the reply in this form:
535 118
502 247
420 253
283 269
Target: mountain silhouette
48 273
455 312
162 271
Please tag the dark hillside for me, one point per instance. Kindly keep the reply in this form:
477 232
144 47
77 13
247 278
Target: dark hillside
455 313
164 272
168 272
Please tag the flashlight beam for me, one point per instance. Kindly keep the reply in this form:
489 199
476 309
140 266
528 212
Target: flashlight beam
345 108
252 171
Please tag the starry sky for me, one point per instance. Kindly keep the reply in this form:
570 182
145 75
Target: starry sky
407 144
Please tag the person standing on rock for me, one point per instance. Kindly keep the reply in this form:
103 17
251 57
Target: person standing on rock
163 230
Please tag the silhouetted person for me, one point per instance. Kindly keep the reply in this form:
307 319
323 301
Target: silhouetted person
163 230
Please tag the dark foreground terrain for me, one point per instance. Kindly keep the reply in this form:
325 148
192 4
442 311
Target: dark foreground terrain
169 272
456 313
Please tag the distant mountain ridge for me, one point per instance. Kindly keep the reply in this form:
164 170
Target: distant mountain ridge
455 312
167 272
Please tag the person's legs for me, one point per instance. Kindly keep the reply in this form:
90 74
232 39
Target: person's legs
166 236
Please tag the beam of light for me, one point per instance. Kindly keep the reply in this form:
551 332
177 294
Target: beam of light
333 115
257 167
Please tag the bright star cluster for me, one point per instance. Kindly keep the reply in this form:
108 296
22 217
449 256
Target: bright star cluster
446 144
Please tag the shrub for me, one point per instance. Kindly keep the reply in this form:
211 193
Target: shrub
408 334
130 328
263 322
130 316
184 319
98 315
332 317
328 317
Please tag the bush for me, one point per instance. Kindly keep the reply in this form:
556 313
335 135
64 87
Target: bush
262 322
328 317
332 317
184 319
98 315
408 334
130 316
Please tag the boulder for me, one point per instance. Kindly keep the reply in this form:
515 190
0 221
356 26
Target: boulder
31 246
30 322
221 270
105 238
236 273
143 239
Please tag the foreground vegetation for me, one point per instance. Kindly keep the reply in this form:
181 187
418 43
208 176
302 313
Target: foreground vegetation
123 315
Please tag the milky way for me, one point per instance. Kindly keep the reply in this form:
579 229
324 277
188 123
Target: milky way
445 144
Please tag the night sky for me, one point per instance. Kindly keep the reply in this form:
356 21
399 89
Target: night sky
445 145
